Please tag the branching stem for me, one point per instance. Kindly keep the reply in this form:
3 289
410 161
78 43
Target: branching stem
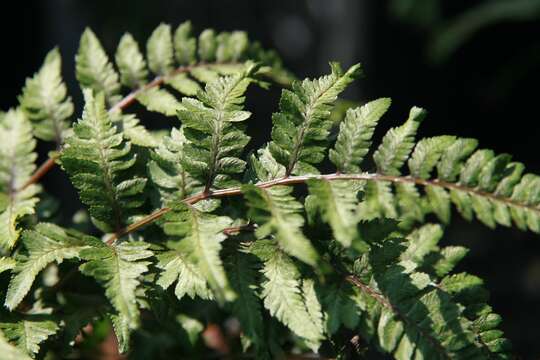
292 180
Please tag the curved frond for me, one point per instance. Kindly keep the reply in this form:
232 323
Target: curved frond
17 158
98 160
44 100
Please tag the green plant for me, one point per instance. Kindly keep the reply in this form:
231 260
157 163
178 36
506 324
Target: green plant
188 231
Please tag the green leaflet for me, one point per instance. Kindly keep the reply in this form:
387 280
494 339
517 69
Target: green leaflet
130 62
166 170
159 100
17 158
201 236
301 128
180 265
44 100
160 50
185 46
94 70
207 45
337 202
134 131
213 124
183 84
278 214
98 161
27 332
397 144
355 133
284 295
426 155
10 352
118 268
46 244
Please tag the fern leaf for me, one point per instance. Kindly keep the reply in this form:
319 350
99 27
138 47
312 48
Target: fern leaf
302 126
133 130
213 124
159 100
118 269
27 332
185 46
130 62
94 70
202 235
10 352
44 100
265 167
451 161
408 318
278 214
282 294
98 160
160 50
166 170
17 158
46 244
397 144
183 84
336 200
356 131
427 154
177 266
207 45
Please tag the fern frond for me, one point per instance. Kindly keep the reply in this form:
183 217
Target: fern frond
283 296
118 268
27 332
404 314
301 128
397 144
45 244
98 160
160 50
44 100
17 158
277 213
130 62
213 124
356 131
94 70
201 236
185 45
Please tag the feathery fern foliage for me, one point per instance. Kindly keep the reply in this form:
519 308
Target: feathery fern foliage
194 231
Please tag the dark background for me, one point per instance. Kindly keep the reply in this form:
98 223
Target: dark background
486 88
